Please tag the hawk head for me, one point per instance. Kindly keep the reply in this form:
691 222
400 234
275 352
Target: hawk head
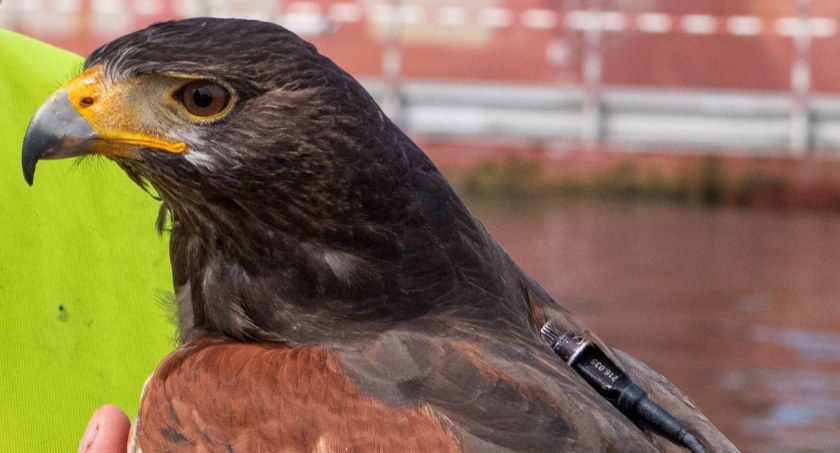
222 114
295 202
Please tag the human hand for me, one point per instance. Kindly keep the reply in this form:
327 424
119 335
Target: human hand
106 432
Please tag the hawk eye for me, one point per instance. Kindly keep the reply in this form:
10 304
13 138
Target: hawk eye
204 98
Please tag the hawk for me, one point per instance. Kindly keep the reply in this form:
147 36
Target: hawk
333 292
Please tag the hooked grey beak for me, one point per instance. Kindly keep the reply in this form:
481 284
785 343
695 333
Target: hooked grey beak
55 132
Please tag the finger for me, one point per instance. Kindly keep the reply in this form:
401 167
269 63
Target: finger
106 432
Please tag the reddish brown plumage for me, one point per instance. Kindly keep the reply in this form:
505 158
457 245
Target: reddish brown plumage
213 396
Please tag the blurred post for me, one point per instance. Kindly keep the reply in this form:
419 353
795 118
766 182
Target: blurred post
13 16
249 9
279 8
205 8
800 81
392 64
592 70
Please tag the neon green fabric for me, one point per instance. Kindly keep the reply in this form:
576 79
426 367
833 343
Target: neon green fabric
82 274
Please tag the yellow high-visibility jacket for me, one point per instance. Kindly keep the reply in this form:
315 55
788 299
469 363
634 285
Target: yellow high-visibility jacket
82 273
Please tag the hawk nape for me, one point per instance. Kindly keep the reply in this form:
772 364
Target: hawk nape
334 293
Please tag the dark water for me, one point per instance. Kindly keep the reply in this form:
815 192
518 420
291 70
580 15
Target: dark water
739 308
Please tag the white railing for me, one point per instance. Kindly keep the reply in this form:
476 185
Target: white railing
757 123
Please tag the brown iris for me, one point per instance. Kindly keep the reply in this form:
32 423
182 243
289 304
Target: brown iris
204 98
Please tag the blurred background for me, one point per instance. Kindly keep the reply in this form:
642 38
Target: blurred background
668 170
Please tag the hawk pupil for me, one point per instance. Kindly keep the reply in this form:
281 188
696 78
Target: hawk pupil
203 97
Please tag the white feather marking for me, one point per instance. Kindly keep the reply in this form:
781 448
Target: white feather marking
342 264
132 443
200 159
322 446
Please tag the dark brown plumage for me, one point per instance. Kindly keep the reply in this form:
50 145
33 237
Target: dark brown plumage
334 293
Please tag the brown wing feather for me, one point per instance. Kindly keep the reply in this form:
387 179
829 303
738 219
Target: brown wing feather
494 397
216 395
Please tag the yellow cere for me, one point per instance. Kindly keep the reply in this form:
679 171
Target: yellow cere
108 115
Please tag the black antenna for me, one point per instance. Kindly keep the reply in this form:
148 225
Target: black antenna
613 384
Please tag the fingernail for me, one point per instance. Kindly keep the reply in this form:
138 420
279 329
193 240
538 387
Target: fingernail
90 433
